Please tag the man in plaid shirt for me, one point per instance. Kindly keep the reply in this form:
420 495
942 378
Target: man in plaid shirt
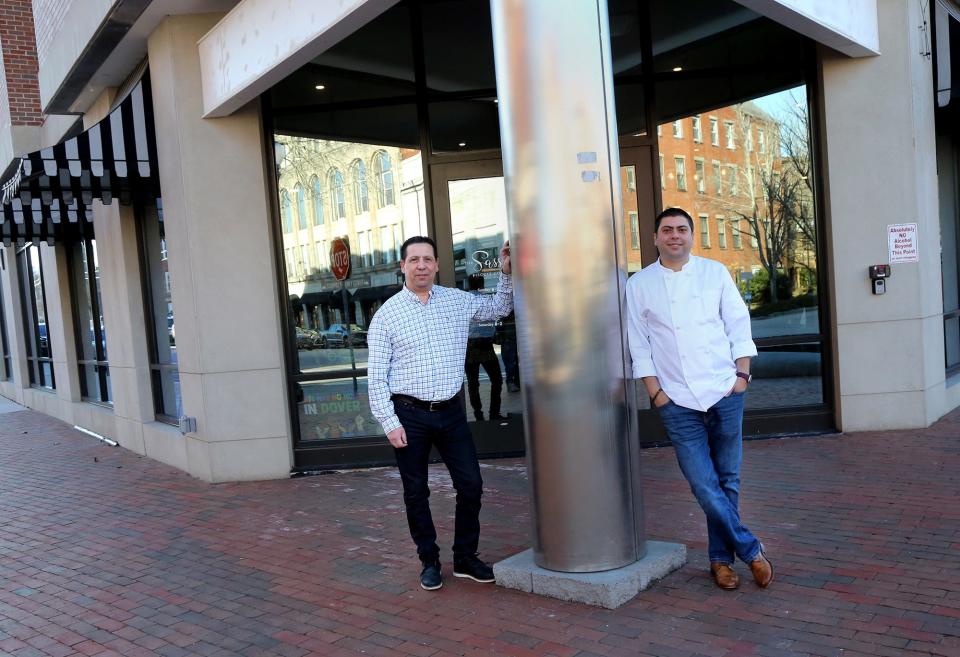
417 344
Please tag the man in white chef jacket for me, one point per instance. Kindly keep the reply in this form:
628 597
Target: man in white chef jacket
690 341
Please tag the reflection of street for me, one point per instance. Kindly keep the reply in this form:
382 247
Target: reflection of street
789 322
340 408
771 393
328 360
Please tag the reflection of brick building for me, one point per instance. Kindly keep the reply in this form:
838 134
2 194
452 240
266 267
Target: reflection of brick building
334 190
715 166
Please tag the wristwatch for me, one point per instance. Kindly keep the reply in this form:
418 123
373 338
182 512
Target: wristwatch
745 376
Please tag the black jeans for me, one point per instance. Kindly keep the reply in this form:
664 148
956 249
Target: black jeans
447 430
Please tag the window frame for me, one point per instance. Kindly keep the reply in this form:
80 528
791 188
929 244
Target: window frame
100 363
31 321
150 320
680 172
301 197
697 130
361 188
704 230
7 373
721 232
338 197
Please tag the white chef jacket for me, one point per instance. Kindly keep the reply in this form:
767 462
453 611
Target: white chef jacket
687 328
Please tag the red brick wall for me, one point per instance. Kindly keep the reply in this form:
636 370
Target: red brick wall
20 62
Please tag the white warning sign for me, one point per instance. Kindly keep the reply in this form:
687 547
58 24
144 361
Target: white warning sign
902 241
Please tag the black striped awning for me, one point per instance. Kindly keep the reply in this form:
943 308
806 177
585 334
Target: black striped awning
50 196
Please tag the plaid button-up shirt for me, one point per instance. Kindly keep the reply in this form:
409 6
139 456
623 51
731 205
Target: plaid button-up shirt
418 349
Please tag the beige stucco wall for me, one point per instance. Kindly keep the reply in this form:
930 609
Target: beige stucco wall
881 170
217 217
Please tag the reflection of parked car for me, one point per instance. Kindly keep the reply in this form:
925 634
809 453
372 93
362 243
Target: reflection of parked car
307 339
333 339
355 334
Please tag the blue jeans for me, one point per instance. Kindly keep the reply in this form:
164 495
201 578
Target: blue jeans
446 430
709 448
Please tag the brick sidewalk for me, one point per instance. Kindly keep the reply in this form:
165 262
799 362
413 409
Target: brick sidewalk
106 553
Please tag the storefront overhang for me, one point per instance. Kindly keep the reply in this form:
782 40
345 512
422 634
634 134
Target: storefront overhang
254 47
50 195
849 27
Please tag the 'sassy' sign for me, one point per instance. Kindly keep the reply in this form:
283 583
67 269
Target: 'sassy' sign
902 241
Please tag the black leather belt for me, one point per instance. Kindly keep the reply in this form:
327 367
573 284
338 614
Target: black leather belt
425 405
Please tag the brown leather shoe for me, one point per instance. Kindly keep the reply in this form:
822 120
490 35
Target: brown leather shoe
762 571
725 577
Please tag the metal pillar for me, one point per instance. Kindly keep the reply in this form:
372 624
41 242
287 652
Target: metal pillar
562 169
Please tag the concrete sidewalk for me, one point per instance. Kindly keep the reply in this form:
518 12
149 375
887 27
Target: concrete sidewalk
106 553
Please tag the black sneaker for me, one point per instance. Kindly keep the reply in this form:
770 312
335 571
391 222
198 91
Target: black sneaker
473 568
430 577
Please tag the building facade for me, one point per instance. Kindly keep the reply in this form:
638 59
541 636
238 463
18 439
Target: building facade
176 175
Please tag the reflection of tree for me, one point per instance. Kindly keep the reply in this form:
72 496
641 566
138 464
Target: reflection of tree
775 190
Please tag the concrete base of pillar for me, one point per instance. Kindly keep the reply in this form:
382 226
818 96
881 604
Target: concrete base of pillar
610 588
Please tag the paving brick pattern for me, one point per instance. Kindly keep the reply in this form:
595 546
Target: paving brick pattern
105 553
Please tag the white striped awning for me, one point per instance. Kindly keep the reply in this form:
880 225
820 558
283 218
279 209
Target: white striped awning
50 195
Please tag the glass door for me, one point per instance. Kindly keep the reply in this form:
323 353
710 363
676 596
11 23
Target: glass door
640 205
470 208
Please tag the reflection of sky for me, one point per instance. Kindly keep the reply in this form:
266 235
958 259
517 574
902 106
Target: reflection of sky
782 105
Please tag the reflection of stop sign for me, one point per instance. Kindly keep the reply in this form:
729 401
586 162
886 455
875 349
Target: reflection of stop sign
340 259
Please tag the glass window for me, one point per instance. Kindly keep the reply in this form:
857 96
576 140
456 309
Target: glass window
681 174
634 231
663 180
458 45
735 233
729 135
697 131
328 319
158 303
678 129
386 245
384 172
699 175
397 240
361 197
316 190
286 211
7 373
717 179
777 273
748 137
732 175
337 196
301 206
714 131
761 140
33 300
91 334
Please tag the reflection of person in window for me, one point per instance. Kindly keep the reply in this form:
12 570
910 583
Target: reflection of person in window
480 353
507 339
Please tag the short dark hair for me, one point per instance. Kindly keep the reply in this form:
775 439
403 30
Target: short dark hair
417 239
672 212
